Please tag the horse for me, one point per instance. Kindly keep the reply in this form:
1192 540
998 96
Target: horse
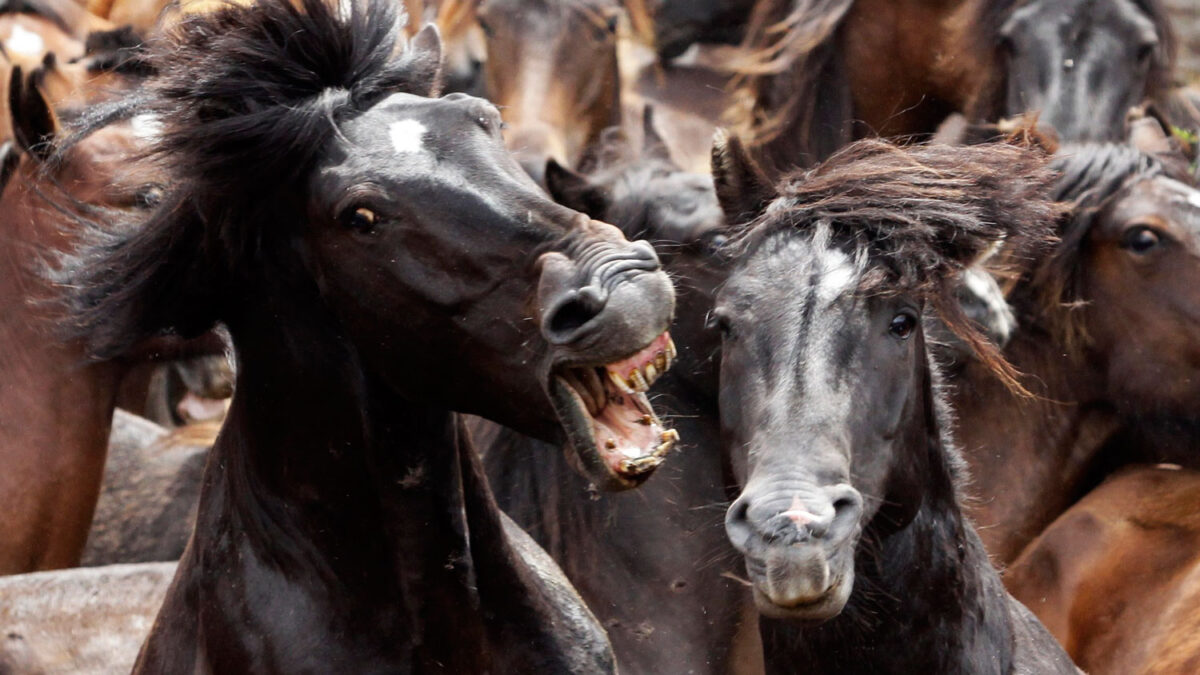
822 73
379 261
551 66
1133 217
56 407
1116 578
850 515
653 565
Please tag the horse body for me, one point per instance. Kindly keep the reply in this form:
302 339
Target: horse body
1116 579
849 518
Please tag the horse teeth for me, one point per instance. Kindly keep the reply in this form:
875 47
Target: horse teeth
671 353
670 436
640 465
620 383
637 381
646 420
651 373
611 444
661 362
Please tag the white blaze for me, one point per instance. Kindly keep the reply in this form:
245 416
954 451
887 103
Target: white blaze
407 136
25 42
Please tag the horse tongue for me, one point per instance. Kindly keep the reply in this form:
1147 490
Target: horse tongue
630 437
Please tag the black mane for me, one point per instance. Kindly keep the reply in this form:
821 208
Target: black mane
246 99
920 214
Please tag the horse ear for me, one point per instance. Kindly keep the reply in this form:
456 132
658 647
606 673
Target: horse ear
424 61
574 190
34 123
743 188
653 145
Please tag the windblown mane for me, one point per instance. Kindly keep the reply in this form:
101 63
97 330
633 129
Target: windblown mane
917 217
793 96
246 98
983 36
1089 176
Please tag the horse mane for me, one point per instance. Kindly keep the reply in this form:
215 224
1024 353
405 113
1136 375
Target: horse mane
792 96
916 217
246 97
1089 176
983 35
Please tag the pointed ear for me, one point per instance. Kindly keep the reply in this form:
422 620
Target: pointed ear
34 123
9 158
424 60
653 145
574 190
743 188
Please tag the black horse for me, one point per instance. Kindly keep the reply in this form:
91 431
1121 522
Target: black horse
379 261
850 518
654 565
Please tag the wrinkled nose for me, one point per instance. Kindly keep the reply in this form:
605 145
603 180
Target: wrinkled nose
606 295
826 514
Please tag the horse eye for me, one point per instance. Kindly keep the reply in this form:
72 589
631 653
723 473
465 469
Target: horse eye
150 196
612 23
360 219
1141 240
902 325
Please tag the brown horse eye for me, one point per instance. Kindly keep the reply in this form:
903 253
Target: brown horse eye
902 325
1141 240
361 219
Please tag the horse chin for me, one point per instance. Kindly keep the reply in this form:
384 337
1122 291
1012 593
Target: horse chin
807 588
616 440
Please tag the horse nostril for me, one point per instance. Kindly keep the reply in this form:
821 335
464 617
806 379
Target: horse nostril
573 314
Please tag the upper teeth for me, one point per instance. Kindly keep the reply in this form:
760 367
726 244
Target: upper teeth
640 379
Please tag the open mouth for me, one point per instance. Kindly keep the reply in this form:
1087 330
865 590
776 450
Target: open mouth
609 421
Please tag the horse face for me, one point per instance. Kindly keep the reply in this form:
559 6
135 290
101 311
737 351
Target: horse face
424 226
1141 272
820 386
1080 64
553 70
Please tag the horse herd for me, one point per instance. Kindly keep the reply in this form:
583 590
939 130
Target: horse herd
577 336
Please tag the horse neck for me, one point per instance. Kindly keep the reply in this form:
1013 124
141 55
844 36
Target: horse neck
926 598
1029 455
342 485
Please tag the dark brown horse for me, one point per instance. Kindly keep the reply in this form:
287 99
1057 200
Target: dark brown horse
552 69
379 261
1117 577
850 515
1125 259
825 72
654 565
